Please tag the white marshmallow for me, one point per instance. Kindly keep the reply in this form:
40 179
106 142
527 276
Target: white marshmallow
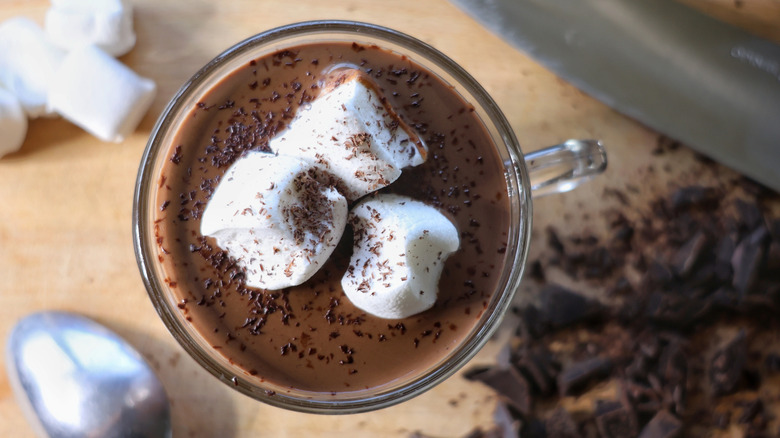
399 253
100 94
27 63
107 24
350 132
13 123
272 215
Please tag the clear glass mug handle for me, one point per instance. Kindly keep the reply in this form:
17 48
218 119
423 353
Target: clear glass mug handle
563 167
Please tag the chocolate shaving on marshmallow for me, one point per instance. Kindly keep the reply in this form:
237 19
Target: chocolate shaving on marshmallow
108 24
275 218
400 246
100 94
27 63
13 123
351 132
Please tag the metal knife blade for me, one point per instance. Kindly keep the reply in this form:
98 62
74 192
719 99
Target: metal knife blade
694 78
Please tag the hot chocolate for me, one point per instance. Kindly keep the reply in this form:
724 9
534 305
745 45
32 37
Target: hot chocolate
311 337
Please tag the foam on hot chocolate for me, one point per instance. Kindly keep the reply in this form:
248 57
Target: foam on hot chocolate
275 218
400 248
352 132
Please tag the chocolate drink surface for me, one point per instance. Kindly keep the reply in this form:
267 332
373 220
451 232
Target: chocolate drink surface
310 337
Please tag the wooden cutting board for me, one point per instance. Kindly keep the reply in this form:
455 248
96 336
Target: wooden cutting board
65 236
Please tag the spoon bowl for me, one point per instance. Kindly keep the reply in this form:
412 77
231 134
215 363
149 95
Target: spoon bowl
74 377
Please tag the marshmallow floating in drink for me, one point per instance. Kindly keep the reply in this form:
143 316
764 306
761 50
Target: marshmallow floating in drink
108 24
351 132
28 62
100 94
400 246
13 123
275 218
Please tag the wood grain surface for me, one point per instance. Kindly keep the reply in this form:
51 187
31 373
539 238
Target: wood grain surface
65 231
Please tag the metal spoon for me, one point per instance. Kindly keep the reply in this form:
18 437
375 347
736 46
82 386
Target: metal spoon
75 378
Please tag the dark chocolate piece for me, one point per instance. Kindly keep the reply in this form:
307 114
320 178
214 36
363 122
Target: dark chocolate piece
727 365
773 257
534 428
536 271
687 256
751 409
509 384
749 214
658 275
537 365
723 253
693 197
662 425
598 263
745 260
576 375
772 362
560 424
561 307
675 310
616 420
553 241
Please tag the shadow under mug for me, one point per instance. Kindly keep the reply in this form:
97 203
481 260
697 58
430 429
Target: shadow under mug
553 170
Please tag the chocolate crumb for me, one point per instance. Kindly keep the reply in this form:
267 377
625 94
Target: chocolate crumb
727 364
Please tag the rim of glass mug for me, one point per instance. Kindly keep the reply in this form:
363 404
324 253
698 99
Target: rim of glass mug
516 175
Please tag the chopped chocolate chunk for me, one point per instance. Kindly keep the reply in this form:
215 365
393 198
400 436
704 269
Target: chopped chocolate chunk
507 425
562 307
727 365
622 287
687 256
617 194
578 374
534 428
662 425
721 420
658 274
598 263
536 271
622 236
531 321
773 256
749 214
553 241
694 197
673 365
616 420
751 409
560 424
537 365
745 260
772 362
509 384
676 311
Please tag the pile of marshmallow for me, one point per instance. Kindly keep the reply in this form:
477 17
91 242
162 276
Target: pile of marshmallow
68 69
280 215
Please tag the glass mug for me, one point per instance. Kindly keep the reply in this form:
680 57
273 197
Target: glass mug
553 170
